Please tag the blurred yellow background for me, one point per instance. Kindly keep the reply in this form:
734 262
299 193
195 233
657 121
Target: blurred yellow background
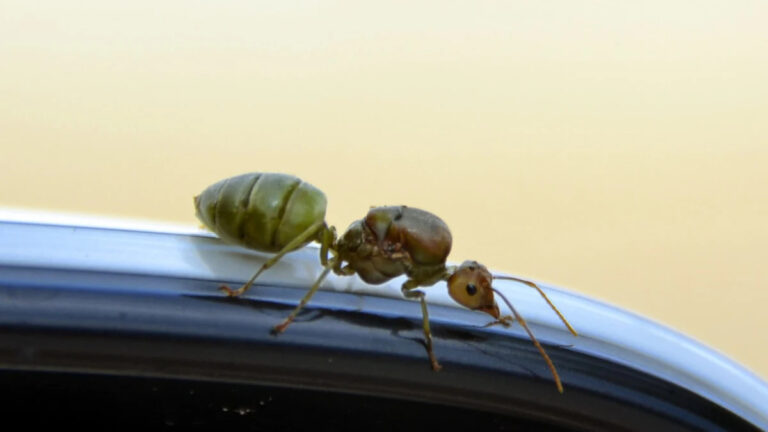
615 148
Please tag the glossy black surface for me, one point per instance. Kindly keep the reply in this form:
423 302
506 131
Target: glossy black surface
103 401
182 334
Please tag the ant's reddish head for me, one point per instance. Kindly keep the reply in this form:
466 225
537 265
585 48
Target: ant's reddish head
470 286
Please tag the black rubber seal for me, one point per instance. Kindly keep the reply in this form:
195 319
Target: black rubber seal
93 348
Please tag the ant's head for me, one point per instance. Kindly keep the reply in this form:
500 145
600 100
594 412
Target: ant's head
470 286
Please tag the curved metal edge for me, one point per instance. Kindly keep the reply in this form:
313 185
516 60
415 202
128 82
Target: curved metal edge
605 331
133 325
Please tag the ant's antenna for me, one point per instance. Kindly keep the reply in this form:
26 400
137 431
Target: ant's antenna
520 319
531 284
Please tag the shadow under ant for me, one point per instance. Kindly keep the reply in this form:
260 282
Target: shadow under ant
487 343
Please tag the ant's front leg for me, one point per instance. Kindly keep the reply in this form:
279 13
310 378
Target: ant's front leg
505 321
408 290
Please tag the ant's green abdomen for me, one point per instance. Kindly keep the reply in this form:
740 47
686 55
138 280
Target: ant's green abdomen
262 211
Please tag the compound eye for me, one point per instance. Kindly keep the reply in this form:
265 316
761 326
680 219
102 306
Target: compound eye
471 289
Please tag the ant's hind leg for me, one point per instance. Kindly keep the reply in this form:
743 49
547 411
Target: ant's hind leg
408 292
327 239
292 245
